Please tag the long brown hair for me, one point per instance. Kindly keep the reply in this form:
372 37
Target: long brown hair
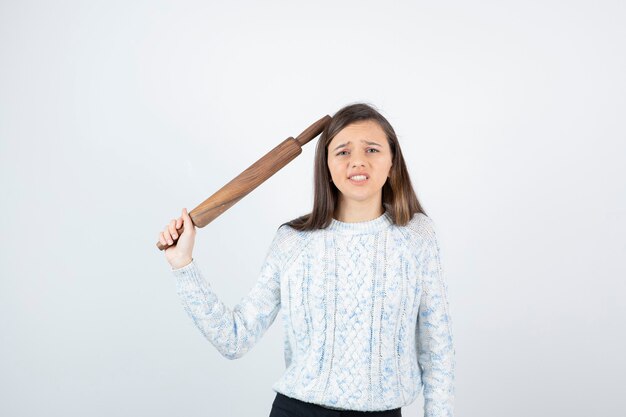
398 196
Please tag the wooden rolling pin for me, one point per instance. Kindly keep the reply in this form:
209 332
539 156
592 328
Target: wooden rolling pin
251 178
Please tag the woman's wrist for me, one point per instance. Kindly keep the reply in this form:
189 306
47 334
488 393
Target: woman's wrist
181 263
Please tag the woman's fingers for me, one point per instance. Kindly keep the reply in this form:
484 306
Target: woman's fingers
172 227
165 239
170 232
167 234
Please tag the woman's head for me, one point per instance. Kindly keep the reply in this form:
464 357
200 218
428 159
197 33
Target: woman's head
361 147
374 150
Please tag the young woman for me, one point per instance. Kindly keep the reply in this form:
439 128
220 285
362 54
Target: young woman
359 281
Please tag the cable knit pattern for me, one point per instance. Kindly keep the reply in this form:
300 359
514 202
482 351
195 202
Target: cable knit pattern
365 315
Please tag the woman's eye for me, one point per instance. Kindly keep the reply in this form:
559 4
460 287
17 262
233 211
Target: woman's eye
369 149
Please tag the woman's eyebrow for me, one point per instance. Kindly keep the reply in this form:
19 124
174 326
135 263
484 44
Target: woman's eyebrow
362 140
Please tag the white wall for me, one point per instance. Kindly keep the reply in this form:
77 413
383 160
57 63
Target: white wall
114 115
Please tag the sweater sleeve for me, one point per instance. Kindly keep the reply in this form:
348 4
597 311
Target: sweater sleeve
234 331
436 353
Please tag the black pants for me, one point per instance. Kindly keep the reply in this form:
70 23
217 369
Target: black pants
284 406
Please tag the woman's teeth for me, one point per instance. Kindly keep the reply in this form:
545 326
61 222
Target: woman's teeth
358 178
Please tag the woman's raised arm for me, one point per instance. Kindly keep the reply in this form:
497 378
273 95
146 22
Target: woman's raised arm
234 331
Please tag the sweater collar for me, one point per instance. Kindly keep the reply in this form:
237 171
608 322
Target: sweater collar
369 226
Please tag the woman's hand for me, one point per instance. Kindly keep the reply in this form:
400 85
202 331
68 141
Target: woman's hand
181 254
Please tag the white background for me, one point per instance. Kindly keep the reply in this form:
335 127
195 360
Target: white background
114 115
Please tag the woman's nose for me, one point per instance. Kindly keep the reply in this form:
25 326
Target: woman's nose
356 163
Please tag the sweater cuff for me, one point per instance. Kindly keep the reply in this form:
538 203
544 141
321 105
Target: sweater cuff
185 269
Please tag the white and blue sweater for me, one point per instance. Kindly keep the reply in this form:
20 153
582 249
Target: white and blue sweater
365 314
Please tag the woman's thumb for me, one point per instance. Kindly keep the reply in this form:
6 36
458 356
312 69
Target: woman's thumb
186 219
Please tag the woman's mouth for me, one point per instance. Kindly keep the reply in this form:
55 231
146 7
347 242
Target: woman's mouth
358 179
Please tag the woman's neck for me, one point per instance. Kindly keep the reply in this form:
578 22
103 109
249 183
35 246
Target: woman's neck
358 214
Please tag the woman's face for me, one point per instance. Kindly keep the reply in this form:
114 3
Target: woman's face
360 148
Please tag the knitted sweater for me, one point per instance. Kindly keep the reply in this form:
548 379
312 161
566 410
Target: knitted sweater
365 315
